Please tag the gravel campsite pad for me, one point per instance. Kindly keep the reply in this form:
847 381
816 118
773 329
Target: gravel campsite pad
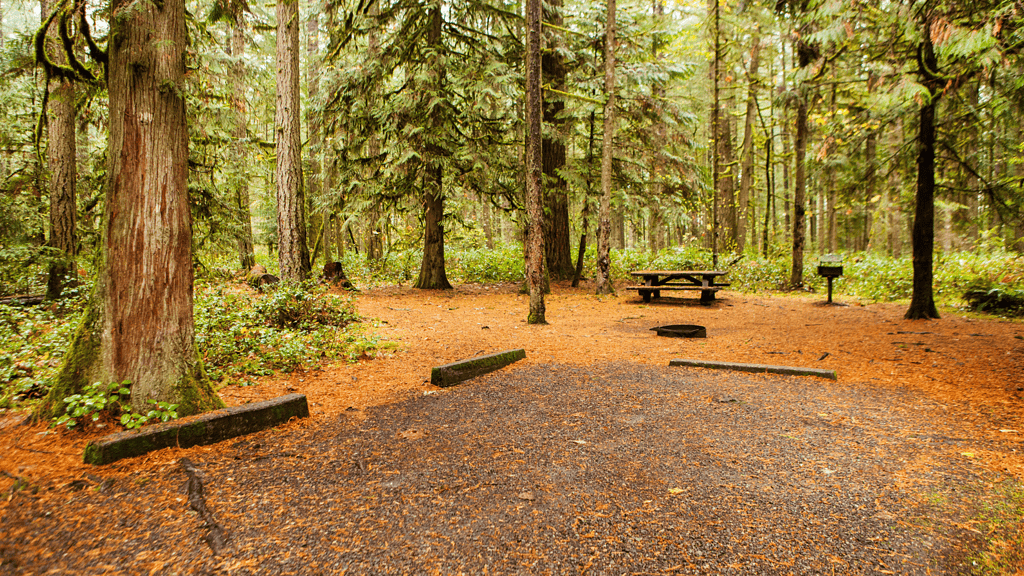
618 468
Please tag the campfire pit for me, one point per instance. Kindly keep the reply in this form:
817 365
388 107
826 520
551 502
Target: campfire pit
681 331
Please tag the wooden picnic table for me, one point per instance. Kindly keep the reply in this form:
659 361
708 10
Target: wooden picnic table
654 281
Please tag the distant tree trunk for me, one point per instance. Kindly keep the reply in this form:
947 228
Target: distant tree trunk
805 54
556 190
534 165
656 223
139 326
726 180
604 259
922 301
246 249
585 225
432 270
293 253
745 214
60 172
716 132
314 128
374 231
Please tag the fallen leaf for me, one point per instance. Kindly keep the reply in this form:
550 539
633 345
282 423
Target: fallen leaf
675 490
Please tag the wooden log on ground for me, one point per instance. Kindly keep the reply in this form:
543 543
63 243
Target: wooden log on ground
456 372
198 430
757 368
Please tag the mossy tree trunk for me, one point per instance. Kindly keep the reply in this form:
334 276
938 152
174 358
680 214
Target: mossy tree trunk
432 269
60 173
139 326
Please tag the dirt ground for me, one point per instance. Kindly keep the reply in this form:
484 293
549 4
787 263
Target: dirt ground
965 372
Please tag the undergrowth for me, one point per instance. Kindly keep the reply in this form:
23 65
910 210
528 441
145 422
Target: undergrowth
866 276
239 335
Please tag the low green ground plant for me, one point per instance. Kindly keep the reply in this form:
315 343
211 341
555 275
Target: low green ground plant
99 399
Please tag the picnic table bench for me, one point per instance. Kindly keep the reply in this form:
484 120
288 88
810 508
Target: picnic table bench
654 281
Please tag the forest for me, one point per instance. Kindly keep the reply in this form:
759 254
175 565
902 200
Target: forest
149 153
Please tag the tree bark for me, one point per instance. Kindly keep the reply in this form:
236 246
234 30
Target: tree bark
922 301
556 190
246 248
805 55
60 173
656 224
745 216
534 165
604 260
432 269
293 253
314 128
139 324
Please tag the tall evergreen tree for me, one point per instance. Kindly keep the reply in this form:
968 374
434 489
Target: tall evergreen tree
534 165
60 173
139 325
604 258
293 252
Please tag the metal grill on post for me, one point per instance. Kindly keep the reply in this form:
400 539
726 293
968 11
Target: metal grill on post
830 266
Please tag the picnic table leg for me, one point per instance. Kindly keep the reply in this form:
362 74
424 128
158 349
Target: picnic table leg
646 296
707 296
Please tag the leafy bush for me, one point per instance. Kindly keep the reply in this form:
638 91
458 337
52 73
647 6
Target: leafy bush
303 307
984 296
239 333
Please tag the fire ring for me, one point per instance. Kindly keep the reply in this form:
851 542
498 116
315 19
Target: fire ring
681 331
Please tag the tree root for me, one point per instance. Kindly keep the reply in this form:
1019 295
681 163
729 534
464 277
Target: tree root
216 537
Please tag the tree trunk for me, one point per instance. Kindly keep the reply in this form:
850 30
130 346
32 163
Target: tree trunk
796 279
374 231
745 214
656 223
432 270
60 173
293 253
604 259
535 162
556 190
246 249
139 324
314 130
922 301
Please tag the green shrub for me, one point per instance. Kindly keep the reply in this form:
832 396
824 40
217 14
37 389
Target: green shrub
983 295
240 334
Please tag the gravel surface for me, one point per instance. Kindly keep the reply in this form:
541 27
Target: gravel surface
617 468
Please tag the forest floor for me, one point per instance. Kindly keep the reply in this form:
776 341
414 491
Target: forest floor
916 453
